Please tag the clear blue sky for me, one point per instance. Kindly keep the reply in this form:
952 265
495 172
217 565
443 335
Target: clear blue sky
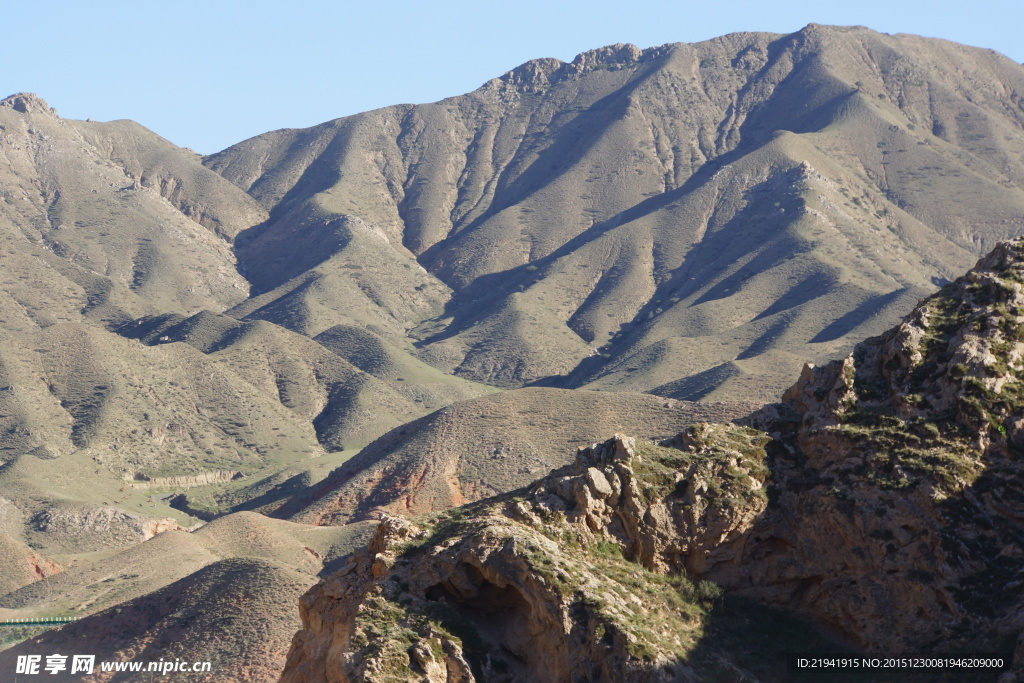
209 73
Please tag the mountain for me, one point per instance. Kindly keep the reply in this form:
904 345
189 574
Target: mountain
689 220
110 220
881 507
122 382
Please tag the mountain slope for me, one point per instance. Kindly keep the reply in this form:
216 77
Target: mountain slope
121 203
224 594
346 406
705 215
112 234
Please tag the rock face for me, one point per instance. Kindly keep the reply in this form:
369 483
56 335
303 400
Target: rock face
26 102
186 481
882 503
897 472
582 574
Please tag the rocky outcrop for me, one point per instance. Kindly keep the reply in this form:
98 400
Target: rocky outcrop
541 585
28 103
21 565
152 527
98 527
956 358
42 567
673 513
897 472
471 450
185 481
537 75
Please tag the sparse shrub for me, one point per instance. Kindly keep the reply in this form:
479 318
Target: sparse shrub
707 591
608 549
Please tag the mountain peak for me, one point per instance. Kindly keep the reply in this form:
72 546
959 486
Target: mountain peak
537 74
28 103
619 53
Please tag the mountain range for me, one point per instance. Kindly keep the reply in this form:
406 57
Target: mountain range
240 361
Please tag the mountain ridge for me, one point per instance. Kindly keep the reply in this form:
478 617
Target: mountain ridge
480 200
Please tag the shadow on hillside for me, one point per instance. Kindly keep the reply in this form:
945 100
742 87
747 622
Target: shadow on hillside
697 386
758 128
869 308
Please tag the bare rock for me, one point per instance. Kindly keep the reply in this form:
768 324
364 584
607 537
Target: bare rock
28 103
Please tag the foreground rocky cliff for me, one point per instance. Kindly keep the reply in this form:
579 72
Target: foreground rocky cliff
582 574
880 503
